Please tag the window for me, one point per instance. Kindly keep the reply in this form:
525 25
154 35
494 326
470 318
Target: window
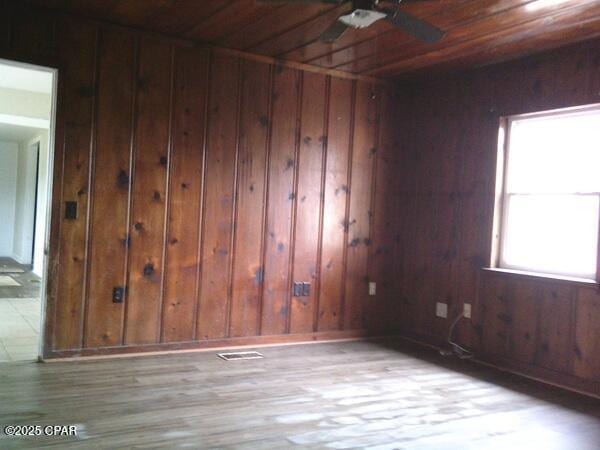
550 194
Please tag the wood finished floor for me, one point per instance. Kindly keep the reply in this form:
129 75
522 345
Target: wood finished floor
334 395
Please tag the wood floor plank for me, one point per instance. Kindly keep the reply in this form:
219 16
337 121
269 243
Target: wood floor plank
377 395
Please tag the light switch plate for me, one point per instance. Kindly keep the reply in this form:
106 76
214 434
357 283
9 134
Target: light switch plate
372 288
467 310
441 310
71 210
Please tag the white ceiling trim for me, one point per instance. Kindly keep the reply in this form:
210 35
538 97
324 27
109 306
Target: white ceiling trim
24 121
25 79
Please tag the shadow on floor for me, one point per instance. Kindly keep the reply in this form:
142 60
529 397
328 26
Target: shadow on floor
519 384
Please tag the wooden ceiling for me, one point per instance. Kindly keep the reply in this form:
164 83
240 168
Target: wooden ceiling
478 31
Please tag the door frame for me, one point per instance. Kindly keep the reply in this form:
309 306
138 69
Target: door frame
49 188
37 145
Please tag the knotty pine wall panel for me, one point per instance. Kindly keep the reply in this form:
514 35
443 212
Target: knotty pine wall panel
186 172
332 263
206 183
308 199
110 187
219 196
280 200
536 326
587 345
248 264
149 194
382 264
78 116
363 157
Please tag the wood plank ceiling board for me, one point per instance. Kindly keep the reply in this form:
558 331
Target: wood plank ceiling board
368 52
478 32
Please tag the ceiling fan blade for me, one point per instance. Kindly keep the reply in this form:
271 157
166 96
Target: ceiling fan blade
333 2
418 28
335 30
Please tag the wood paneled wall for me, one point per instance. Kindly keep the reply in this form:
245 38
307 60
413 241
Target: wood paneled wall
206 184
547 329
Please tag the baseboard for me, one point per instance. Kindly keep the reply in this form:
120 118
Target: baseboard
21 260
208 345
568 382
18 259
561 380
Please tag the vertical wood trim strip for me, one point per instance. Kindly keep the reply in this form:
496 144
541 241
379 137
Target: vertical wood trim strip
300 88
325 143
54 36
201 215
130 199
373 305
598 251
11 29
234 199
265 211
572 338
163 269
58 175
91 180
372 201
347 214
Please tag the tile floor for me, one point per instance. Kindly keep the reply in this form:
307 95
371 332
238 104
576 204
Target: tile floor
19 328
29 283
20 312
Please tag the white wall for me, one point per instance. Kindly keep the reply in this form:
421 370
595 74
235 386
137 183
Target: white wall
8 188
25 203
25 110
25 103
42 205
24 234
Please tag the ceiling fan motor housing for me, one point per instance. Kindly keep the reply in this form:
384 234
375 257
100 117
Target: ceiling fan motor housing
362 15
362 18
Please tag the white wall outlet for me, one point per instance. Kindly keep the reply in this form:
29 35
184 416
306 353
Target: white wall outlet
441 310
467 310
372 288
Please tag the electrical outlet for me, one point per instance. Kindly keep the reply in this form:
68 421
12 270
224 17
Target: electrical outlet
372 288
297 289
467 310
305 289
441 310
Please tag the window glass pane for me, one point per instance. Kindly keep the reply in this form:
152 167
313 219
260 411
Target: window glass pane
555 154
552 234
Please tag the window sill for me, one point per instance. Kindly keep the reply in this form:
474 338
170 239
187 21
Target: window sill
543 277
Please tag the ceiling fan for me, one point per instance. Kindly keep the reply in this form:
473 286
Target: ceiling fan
364 13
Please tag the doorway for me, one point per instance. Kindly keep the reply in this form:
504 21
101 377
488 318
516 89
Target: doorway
27 109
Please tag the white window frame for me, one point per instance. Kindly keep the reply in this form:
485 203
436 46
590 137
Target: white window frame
502 197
